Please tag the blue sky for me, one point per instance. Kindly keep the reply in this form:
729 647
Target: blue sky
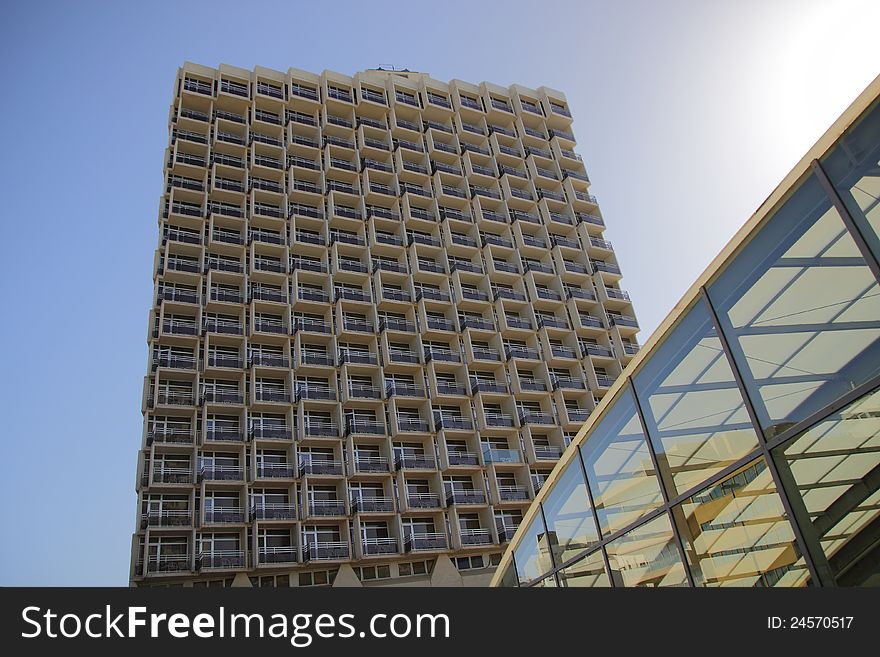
688 113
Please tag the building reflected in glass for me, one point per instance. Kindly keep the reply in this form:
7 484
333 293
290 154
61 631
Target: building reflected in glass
742 447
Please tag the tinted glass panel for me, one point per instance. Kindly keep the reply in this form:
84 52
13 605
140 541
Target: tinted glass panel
532 555
619 467
736 533
647 556
588 572
568 514
693 409
854 167
836 466
801 311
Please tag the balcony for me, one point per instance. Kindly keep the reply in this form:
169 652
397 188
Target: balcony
559 351
437 324
428 293
538 267
450 423
224 326
176 327
623 320
396 389
532 385
169 518
360 504
270 432
271 395
545 321
475 537
369 464
505 533
225 434
316 358
535 417
312 392
513 493
320 467
358 357
170 436
304 92
218 396
501 420
462 459
174 361
517 323
373 546
364 392
221 473
548 452
355 266
168 563
357 326
413 425
415 462
325 551
501 455
259 293
521 352
507 293
442 355
395 324
465 496
605 267
270 326
425 542
258 359
311 325
492 387
423 500
364 427
277 554
175 398
227 515
319 430
276 470
403 356
474 295
597 350
324 508
577 415
164 475
568 383
592 219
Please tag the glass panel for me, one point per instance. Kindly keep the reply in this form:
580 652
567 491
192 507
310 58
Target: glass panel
619 468
570 521
647 556
508 578
693 409
736 533
588 572
836 466
801 311
853 165
532 555
547 583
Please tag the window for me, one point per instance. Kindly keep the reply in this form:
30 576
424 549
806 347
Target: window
801 311
318 578
415 568
473 562
366 573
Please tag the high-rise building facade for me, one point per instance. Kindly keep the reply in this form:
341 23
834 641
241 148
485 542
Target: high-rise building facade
741 447
383 307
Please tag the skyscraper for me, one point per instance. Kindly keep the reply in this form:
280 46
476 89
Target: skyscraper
383 307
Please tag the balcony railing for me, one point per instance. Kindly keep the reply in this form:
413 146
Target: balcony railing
415 462
273 395
364 427
459 423
315 466
548 452
475 536
271 432
315 392
311 325
522 352
169 435
371 464
501 455
277 554
168 563
465 496
372 546
219 396
423 500
441 354
165 475
228 434
221 473
489 386
505 533
568 383
276 470
499 420
532 385
320 429
361 504
462 458
326 508
325 551
510 493
224 515
364 392
425 541
169 518
398 389
535 417
358 357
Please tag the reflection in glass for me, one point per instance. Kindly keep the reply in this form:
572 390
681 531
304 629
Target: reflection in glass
801 311
508 577
647 556
588 572
619 467
736 533
853 165
532 555
568 514
836 466
693 409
